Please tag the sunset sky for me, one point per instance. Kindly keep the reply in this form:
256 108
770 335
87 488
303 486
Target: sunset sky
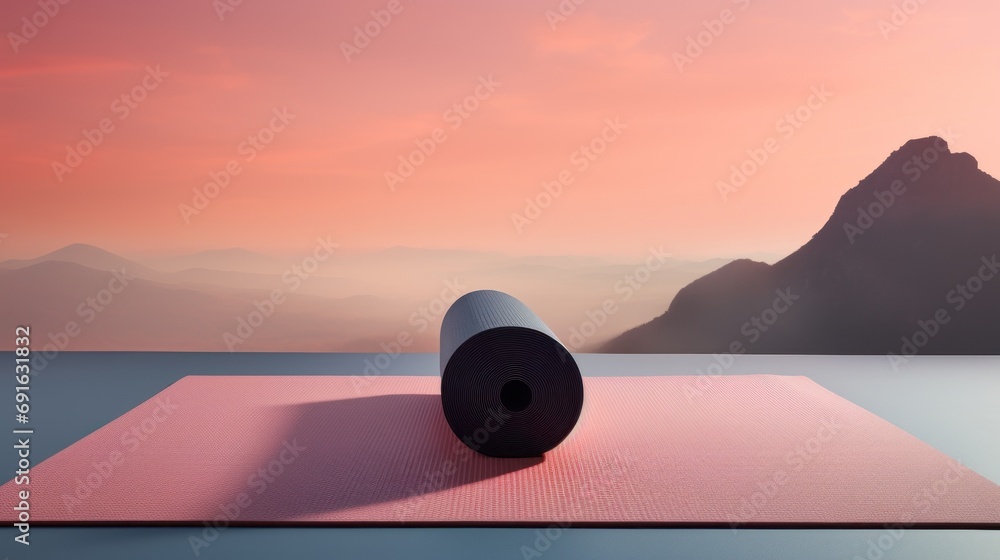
213 77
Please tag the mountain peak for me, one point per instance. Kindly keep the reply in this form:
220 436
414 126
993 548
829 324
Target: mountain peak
74 247
919 145
83 254
927 151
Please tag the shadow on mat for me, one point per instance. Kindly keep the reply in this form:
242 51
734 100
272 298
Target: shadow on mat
369 450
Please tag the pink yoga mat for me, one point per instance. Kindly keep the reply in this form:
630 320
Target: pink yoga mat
740 451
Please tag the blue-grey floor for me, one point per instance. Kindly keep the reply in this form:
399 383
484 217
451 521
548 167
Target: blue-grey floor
953 403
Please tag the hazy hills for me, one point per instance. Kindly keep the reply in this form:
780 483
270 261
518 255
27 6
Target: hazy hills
81 297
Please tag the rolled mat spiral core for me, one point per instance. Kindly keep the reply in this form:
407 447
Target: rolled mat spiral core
508 386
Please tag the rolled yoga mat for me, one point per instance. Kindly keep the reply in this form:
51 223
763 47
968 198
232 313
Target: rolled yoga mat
508 386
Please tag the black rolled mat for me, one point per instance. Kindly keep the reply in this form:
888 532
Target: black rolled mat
508 386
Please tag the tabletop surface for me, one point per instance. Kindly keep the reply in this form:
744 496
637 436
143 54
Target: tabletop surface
952 403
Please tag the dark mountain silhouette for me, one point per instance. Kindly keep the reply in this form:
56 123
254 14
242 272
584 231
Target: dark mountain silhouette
905 264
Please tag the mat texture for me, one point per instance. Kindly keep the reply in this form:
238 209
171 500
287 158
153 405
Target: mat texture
648 451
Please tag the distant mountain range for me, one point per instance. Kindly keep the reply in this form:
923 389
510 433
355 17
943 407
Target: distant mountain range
84 255
76 297
906 264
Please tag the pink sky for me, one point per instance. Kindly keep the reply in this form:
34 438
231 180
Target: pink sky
324 172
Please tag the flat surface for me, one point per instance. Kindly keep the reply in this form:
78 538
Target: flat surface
951 402
649 451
